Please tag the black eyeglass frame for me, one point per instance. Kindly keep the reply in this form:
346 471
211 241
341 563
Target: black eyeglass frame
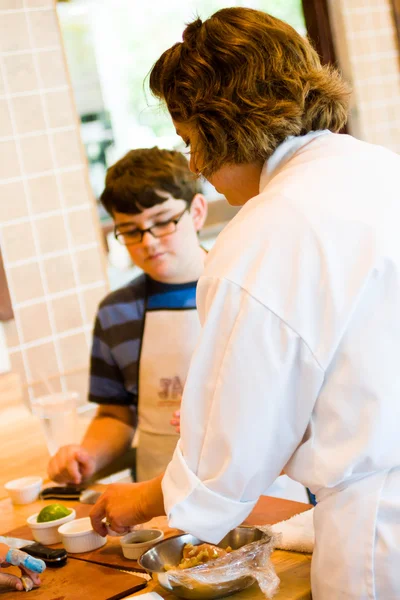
175 220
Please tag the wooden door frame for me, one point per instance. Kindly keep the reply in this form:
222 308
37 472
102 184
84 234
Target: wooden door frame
6 311
316 15
396 16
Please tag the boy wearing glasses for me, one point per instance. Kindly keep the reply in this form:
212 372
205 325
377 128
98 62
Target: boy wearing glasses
145 332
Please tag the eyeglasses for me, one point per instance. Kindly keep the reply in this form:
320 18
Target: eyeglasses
128 237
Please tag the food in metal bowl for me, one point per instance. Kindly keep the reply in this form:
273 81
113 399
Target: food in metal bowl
170 551
198 555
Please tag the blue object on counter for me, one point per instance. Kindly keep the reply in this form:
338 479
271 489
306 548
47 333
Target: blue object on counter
19 558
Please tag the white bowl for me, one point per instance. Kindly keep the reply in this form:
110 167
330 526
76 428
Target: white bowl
79 536
24 490
47 533
137 542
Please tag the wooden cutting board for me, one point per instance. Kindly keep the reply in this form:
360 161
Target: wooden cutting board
109 555
79 580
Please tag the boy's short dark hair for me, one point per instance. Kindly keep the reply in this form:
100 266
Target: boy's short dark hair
132 183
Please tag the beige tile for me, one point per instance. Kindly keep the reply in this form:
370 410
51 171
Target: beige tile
51 234
388 66
5 119
67 313
26 282
42 389
20 71
386 43
60 110
44 194
17 242
383 19
362 21
2 84
11 4
36 154
34 322
90 265
92 299
12 337
38 3
67 148
79 382
59 274
14 32
17 365
74 352
75 187
52 68
9 164
28 113
44 27
82 226
42 361
12 201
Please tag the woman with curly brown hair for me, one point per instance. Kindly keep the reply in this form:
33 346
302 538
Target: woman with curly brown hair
297 363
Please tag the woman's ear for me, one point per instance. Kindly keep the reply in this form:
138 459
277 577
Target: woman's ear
198 211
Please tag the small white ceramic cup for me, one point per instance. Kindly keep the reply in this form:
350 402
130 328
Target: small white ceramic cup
79 536
24 490
135 543
47 533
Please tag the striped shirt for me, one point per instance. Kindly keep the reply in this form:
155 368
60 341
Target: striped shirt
118 333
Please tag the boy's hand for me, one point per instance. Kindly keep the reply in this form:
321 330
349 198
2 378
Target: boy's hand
176 421
71 464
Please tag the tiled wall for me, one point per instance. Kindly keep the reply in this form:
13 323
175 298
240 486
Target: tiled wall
369 55
49 232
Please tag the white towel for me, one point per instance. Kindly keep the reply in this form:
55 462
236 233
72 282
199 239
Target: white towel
296 534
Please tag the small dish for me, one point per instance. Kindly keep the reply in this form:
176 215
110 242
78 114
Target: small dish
47 533
79 536
24 490
135 543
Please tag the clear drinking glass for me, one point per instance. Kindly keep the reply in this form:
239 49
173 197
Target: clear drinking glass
59 418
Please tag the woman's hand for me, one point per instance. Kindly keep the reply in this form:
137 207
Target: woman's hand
126 504
12 582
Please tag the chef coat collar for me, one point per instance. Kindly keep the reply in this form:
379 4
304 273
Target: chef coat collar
284 153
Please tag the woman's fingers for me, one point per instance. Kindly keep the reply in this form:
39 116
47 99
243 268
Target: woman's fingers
97 515
10 582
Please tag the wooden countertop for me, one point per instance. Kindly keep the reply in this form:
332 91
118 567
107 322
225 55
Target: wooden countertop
23 445
292 568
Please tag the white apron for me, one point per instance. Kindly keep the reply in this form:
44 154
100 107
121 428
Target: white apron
169 339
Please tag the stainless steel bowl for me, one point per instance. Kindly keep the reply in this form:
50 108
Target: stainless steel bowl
169 552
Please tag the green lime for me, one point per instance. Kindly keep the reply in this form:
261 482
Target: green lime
52 512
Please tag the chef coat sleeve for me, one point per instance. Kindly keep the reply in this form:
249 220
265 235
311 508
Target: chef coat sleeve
248 399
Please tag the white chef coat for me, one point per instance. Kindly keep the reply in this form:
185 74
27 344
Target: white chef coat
297 365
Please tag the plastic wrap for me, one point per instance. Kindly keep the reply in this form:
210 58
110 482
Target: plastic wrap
251 562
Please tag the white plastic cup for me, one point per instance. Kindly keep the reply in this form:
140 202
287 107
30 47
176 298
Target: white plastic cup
24 490
59 419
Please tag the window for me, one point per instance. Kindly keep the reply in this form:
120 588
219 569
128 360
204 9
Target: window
111 46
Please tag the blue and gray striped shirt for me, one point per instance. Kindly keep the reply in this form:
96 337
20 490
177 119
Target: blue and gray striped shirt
118 333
